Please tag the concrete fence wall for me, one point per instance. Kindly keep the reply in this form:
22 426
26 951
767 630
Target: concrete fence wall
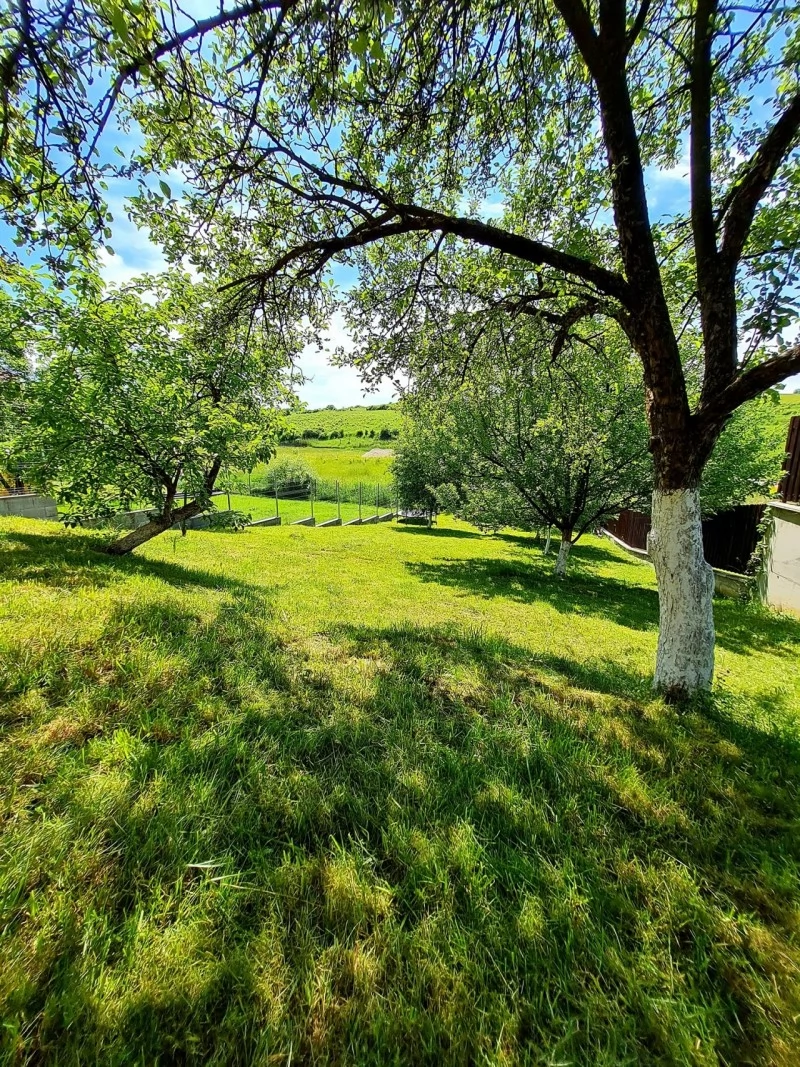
132 520
780 581
28 506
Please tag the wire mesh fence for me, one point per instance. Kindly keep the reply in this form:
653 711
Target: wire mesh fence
318 499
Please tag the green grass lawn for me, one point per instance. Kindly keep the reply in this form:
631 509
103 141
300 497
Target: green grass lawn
346 464
385 795
260 507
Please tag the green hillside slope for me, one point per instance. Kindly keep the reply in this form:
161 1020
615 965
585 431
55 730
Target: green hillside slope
347 427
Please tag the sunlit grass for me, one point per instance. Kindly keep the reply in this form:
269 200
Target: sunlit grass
349 421
384 795
346 464
289 511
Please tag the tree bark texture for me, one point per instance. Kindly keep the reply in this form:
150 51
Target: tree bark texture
563 555
152 529
685 656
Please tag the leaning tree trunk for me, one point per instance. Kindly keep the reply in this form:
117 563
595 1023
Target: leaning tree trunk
685 657
546 551
563 553
152 529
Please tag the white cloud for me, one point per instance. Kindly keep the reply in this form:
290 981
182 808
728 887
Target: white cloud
114 270
327 384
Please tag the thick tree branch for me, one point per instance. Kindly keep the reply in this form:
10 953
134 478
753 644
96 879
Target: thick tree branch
749 385
581 27
638 25
744 198
410 219
703 229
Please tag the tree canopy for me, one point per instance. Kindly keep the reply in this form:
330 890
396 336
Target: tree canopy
312 131
143 395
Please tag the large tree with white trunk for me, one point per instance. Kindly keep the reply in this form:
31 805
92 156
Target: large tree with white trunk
343 125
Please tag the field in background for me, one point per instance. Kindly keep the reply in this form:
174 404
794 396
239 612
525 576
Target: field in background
789 406
349 421
381 795
346 464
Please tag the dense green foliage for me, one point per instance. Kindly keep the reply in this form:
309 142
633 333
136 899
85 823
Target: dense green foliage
385 796
747 459
17 317
145 394
536 437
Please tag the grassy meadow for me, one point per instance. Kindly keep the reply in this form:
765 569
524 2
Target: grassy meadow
346 464
350 421
385 795
789 405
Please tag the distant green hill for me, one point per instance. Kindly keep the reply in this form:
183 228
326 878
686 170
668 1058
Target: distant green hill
789 405
347 427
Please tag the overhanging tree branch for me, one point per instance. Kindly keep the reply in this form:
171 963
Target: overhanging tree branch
744 198
750 384
411 219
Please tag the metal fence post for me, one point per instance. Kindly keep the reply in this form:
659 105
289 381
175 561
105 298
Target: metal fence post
359 501
377 498
277 513
338 503
229 500
313 487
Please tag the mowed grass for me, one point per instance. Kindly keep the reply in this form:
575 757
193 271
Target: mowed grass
385 796
263 507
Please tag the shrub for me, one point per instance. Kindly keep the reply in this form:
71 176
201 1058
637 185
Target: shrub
385 434
288 470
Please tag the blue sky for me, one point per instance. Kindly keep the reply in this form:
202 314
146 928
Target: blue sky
326 384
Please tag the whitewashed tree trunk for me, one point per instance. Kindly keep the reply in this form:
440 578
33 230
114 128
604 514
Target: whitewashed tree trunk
547 543
563 553
685 657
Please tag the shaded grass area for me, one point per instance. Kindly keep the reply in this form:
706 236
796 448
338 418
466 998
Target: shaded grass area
384 796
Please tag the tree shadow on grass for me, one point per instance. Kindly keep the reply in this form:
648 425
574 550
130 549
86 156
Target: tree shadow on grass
435 531
74 559
386 845
529 580
582 551
748 628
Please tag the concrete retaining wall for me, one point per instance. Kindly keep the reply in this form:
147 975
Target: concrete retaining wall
781 579
28 506
132 520
726 583
274 520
